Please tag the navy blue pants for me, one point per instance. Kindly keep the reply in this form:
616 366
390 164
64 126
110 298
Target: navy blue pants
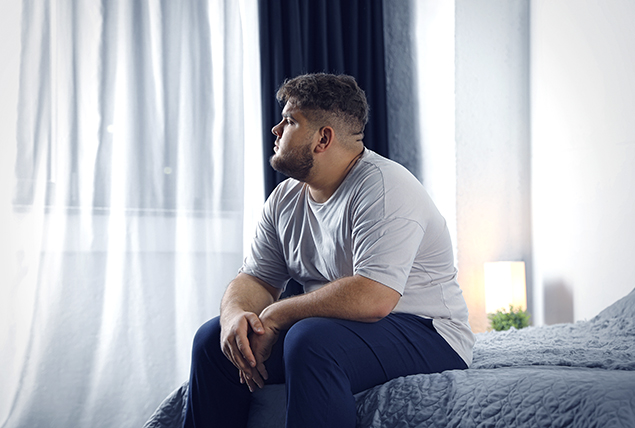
323 362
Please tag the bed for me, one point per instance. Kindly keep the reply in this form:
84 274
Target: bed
580 374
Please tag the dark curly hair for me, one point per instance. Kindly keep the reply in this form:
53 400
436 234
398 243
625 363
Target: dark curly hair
327 97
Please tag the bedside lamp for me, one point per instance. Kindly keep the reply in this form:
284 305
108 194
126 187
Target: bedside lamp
505 285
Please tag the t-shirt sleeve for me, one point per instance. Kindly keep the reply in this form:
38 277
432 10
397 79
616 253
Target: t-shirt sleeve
384 247
265 259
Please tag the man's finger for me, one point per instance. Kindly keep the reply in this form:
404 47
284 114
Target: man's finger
235 356
257 380
255 323
230 353
263 371
242 343
250 381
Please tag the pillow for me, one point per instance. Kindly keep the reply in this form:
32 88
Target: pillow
623 308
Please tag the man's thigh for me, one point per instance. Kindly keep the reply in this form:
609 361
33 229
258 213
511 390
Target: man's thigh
371 353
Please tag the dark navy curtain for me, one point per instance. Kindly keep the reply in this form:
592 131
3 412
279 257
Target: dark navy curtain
332 36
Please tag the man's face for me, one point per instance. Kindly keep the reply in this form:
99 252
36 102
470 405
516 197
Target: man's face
293 155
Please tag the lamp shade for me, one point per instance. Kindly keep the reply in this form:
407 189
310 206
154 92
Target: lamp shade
504 286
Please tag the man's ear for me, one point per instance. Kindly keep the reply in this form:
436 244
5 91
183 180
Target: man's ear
326 135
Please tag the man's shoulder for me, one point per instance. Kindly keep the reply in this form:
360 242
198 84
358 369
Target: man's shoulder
389 172
403 195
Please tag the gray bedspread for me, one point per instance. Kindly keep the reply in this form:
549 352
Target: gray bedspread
580 375
539 396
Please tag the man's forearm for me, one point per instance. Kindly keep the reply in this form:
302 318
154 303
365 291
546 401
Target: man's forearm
354 298
245 298
246 293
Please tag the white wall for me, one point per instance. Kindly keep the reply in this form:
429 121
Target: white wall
492 142
545 147
434 53
583 155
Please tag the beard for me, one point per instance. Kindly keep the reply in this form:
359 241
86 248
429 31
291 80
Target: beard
295 163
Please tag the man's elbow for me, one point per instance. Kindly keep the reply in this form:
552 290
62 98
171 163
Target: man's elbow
380 299
383 307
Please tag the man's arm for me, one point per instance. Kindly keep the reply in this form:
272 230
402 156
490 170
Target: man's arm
354 298
245 298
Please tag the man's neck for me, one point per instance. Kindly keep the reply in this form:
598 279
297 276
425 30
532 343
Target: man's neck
322 190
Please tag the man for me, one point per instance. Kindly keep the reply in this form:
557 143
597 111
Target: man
362 236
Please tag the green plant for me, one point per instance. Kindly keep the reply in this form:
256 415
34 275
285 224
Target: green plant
503 320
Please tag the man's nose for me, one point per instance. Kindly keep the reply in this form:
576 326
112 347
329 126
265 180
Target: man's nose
275 129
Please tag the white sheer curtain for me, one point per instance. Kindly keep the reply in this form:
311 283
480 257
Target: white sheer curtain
137 121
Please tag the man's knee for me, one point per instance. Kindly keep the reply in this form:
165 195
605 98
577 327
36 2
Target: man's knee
207 339
307 339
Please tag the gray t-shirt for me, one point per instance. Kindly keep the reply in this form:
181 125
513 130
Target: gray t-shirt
381 224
